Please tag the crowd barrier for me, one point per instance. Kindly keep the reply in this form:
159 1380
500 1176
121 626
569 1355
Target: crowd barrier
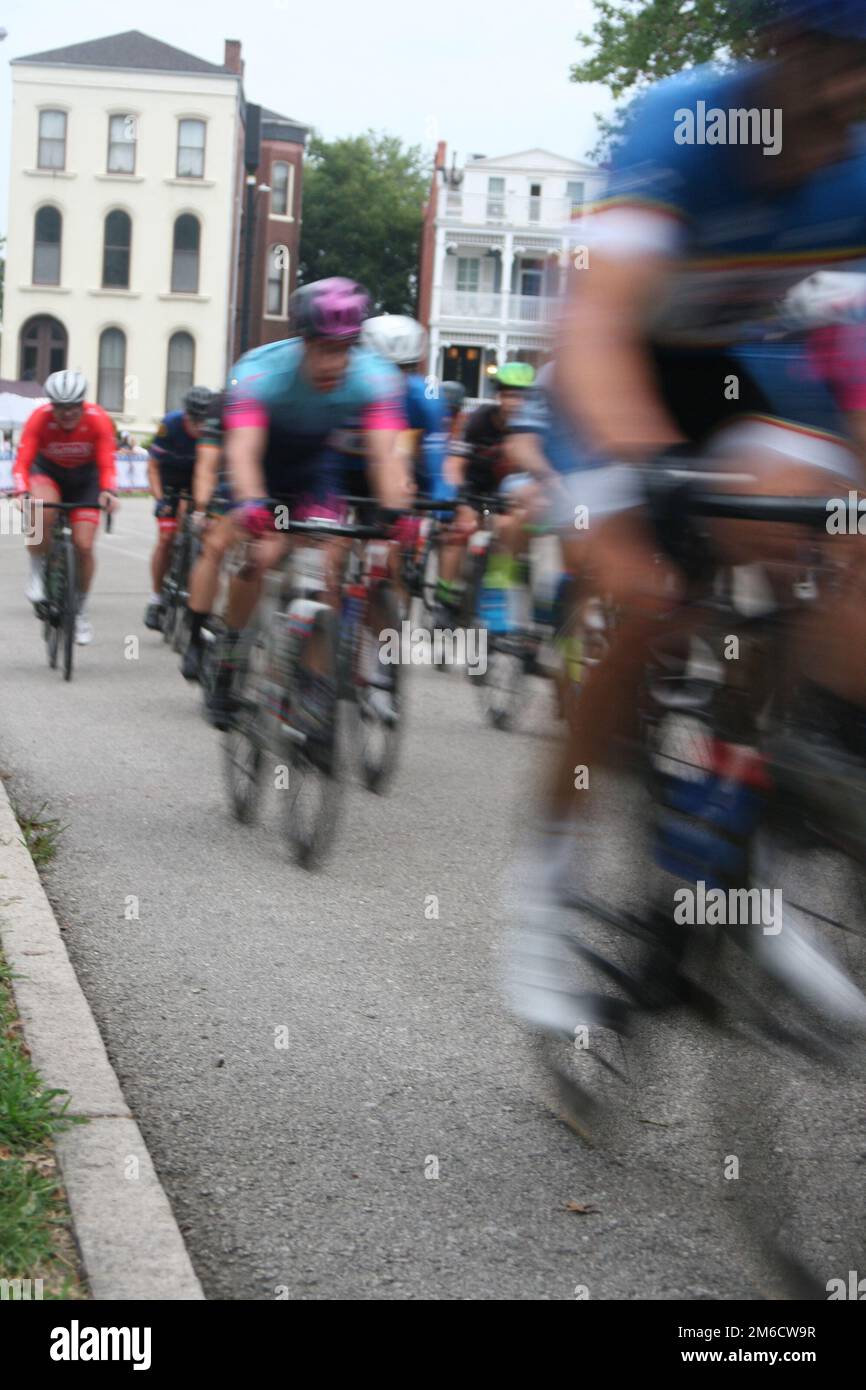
131 470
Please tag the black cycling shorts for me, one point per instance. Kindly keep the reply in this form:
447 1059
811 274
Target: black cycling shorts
76 485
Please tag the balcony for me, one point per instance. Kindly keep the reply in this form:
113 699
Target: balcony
487 306
513 210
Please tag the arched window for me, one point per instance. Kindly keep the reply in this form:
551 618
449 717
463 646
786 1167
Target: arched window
185 254
115 251
277 288
42 345
47 233
112 369
281 189
181 365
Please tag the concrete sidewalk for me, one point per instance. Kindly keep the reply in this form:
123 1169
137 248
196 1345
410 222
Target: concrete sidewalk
129 1240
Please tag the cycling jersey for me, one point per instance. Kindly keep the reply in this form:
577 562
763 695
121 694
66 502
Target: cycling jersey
269 389
483 445
90 442
426 419
173 449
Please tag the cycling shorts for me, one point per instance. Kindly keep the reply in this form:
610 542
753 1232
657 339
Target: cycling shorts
75 485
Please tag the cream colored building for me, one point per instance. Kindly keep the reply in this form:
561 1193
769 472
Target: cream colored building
124 211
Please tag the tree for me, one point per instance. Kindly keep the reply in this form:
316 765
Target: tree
363 208
636 42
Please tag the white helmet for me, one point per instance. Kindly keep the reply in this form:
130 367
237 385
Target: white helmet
395 337
66 388
828 296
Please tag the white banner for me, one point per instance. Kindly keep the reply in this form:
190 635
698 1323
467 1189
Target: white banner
131 470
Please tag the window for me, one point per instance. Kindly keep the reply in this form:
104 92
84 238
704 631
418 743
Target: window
535 202
574 194
190 149
47 229
468 273
496 197
122 131
181 363
277 286
282 189
115 251
112 369
42 348
184 256
52 140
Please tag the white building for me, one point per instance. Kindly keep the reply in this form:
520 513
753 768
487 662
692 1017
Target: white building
124 209
498 233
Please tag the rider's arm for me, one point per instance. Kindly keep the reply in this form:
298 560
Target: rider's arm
154 477
205 474
524 454
605 377
247 425
106 453
383 422
28 448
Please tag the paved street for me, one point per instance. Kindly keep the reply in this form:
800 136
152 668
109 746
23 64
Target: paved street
303 1168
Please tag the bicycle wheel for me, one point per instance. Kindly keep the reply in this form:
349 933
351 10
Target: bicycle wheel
314 793
244 742
380 729
170 591
55 582
181 625
70 605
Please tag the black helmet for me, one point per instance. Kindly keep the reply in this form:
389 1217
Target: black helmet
197 402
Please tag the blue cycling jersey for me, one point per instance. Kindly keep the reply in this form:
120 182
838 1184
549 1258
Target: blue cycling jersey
174 450
268 388
425 412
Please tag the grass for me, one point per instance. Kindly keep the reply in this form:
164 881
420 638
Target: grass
40 834
36 1239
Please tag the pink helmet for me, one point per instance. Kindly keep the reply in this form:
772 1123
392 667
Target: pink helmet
333 308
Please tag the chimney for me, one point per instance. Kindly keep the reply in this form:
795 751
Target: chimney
233 62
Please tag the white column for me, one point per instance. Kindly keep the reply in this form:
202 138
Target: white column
433 352
438 275
507 266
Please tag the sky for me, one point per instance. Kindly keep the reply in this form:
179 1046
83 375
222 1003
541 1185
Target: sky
487 78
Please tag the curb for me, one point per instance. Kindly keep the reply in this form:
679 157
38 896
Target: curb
130 1243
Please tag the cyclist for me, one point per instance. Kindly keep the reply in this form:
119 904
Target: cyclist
690 251
67 454
284 401
477 465
171 463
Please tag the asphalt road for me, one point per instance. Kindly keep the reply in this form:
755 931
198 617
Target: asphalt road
309 1169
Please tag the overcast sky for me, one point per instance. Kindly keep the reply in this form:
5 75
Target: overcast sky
486 78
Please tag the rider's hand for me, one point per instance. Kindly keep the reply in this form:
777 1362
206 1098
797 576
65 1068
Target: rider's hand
256 518
108 500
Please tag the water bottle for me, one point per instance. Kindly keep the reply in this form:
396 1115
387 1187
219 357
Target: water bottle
703 826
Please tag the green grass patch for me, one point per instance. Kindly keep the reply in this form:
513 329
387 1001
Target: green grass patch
35 1230
40 832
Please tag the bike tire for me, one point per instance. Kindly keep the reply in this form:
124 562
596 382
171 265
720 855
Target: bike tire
314 794
378 740
54 585
69 608
244 742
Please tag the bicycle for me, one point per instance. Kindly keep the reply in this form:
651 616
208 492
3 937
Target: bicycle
58 609
291 650
784 1066
175 586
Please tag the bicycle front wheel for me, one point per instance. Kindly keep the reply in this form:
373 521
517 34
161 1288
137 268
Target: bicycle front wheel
314 792
70 606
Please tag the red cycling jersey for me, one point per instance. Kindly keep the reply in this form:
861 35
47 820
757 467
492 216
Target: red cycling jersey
92 441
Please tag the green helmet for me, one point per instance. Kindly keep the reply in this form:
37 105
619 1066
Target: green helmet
515 376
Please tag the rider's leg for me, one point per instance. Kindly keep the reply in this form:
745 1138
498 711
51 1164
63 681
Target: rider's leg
83 538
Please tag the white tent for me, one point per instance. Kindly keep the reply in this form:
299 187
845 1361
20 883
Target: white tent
16 410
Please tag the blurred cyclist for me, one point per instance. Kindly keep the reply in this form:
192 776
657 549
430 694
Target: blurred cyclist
170 468
689 254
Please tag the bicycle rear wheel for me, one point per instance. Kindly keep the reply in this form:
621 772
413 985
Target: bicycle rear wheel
380 731
244 742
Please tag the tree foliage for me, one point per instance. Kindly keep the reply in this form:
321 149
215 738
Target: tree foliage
636 42
362 215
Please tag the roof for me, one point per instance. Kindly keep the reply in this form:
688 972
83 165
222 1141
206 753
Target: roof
268 115
132 49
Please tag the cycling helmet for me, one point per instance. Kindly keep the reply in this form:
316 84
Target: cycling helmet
841 19
197 402
395 337
333 308
515 376
66 388
828 296
454 394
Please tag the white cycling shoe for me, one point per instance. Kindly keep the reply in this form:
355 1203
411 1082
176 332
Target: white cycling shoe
83 631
